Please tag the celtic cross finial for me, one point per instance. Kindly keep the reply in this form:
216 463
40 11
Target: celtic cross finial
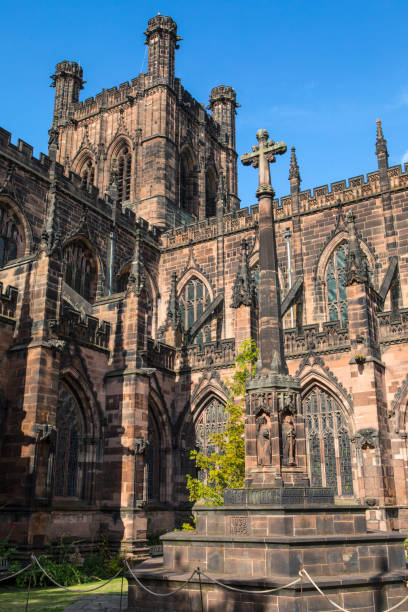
262 155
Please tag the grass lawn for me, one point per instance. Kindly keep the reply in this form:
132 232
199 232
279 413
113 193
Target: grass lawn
52 600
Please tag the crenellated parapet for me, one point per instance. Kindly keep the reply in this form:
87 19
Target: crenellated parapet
83 328
356 188
8 301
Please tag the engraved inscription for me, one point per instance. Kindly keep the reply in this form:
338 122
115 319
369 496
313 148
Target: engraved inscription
239 525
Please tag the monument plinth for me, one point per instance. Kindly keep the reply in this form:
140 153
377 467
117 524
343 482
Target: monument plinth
276 524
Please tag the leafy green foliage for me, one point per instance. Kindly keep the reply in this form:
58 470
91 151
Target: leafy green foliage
59 564
225 468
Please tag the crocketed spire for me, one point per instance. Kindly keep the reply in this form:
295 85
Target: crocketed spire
243 291
356 265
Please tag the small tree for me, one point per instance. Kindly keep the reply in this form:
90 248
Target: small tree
225 468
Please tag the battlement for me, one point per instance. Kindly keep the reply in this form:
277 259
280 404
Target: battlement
23 153
355 188
84 328
67 68
206 229
125 92
160 23
8 301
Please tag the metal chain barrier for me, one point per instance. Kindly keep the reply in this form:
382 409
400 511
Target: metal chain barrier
231 588
159 594
17 573
34 558
303 572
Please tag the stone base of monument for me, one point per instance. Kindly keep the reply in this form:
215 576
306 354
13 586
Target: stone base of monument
263 545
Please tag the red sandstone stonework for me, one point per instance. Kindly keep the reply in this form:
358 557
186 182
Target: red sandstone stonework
141 183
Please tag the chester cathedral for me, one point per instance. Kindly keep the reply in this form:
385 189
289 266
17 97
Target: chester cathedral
128 281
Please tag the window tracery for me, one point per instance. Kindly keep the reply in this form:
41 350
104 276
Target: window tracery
336 285
10 236
329 449
124 169
70 434
212 420
194 299
80 269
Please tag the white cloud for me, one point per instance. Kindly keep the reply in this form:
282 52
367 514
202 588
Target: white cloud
404 159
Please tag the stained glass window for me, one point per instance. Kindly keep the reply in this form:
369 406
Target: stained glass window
194 299
69 434
336 285
212 420
328 443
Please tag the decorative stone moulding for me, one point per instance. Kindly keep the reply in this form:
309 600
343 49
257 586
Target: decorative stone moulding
359 359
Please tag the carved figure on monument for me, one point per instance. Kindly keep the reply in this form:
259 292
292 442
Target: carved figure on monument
263 439
288 440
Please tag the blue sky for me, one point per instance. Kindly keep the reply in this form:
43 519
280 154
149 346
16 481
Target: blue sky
314 74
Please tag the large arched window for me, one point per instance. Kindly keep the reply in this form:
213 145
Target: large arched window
124 168
194 299
87 173
10 236
70 436
336 285
80 269
210 192
328 440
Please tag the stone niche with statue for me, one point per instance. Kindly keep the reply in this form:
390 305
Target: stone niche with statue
277 524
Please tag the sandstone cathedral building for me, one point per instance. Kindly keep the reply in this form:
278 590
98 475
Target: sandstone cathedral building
128 281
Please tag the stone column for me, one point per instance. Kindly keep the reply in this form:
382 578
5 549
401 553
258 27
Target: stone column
274 431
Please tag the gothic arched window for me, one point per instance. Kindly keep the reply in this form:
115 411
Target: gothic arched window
212 420
80 269
194 299
336 285
70 434
210 192
188 184
10 236
87 173
329 451
124 165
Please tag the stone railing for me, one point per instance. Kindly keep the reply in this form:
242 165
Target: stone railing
393 326
8 301
331 339
160 355
207 228
212 354
84 328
